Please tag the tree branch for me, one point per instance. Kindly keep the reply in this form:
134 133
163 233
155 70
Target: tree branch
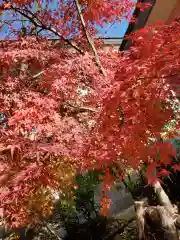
163 198
81 108
36 21
90 41
38 74
140 213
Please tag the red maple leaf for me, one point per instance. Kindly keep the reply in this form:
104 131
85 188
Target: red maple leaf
163 173
7 5
176 167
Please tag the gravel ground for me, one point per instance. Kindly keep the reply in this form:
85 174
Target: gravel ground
98 229
130 232
84 232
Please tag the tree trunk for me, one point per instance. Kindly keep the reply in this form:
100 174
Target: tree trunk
157 222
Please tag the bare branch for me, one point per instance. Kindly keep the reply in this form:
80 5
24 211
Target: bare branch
2 25
38 74
38 23
81 108
90 41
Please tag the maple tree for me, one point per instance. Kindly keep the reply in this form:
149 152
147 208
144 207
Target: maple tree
67 110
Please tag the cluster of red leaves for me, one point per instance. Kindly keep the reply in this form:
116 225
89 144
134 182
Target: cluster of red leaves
128 107
27 184
136 106
46 117
107 181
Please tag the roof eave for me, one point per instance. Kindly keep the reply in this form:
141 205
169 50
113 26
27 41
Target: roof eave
141 19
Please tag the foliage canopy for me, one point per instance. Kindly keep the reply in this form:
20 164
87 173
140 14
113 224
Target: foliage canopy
60 115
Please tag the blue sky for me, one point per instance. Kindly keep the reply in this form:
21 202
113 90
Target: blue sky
116 30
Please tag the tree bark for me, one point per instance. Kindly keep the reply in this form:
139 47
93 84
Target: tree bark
157 222
89 39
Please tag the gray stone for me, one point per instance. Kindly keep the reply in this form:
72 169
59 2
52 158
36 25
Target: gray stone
120 199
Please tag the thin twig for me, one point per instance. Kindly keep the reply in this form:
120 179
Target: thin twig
38 74
81 108
121 116
3 24
90 41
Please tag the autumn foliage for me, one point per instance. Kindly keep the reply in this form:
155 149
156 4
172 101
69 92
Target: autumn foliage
61 116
